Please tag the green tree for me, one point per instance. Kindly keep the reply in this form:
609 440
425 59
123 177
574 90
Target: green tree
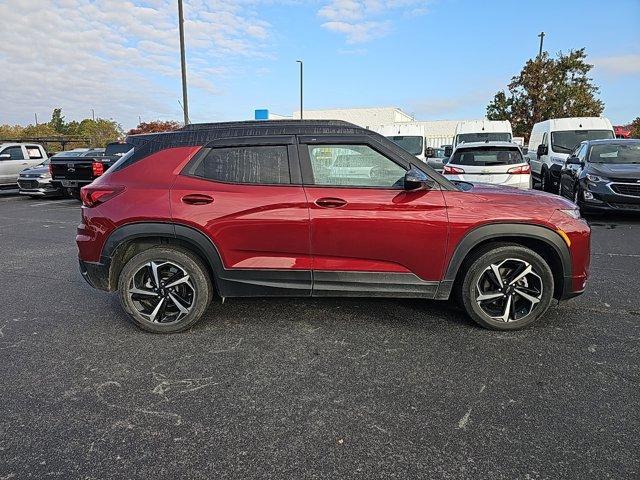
40 130
10 132
100 131
57 121
547 88
635 128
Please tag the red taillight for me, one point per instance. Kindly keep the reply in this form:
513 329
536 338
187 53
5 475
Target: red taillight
97 168
521 170
93 196
452 170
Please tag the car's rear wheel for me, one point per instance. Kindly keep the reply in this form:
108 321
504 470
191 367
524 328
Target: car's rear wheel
507 287
165 289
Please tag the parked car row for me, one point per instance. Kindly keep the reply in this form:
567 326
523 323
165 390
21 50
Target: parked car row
38 175
578 158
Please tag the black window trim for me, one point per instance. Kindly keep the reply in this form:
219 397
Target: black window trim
288 141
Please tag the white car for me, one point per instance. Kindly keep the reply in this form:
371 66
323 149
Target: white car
500 163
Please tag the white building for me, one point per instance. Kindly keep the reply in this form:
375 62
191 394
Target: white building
364 117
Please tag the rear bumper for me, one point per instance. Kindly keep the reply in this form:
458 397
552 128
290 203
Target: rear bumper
96 274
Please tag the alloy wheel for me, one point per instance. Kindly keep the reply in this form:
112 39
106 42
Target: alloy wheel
162 292
508 291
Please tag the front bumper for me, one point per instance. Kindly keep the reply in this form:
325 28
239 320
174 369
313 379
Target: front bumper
37 187
96 274
603 196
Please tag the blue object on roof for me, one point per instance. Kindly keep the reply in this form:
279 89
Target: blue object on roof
261 114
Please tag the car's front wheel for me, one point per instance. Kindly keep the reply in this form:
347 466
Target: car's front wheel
507 287
165 289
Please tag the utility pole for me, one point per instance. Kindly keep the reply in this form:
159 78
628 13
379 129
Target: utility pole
93 114
36 115
183 63
541 35
300 62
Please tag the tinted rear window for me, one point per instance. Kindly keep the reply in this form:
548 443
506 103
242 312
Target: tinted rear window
260 164
117 149
485 157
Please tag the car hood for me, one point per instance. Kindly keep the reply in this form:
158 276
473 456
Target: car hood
511 197
616 170
38 169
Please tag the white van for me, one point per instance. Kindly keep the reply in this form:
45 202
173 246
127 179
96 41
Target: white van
483 131
422 139
552 141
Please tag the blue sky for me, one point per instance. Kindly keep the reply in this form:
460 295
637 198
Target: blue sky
439 59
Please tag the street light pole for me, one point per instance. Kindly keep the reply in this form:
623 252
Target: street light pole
183 64
300 62
541 35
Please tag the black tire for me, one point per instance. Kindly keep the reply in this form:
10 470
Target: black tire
546 184
510 259
194 294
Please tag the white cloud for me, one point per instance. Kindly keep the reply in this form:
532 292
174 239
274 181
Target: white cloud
359 32
362 20
120 58
619 65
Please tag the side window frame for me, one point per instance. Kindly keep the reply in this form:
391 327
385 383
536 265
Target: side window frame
289 142
305 141
34 147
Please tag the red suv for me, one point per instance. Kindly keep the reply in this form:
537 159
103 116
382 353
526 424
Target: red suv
317 208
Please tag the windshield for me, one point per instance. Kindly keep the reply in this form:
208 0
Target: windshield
567 141
485 157
412 144
615 153
483 137
438 153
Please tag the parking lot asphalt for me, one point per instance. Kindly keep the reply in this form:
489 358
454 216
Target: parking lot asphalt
300 388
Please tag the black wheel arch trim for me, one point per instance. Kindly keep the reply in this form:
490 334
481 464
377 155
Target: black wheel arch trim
227 282
496 231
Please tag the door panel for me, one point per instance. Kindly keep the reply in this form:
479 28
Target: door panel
379 230
10 168
253 226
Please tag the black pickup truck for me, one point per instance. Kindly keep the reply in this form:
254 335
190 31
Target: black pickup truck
73 173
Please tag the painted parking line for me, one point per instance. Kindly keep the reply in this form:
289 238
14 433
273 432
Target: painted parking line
56 202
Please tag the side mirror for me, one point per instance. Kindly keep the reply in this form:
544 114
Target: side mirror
4 156
574 161
448 150
542 150
428 152
416 179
